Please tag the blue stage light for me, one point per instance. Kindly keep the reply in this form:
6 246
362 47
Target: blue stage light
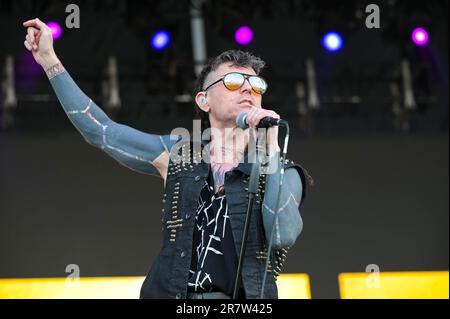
332 41
160 40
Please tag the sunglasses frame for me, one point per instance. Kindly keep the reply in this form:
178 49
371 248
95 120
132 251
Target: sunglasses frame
246 77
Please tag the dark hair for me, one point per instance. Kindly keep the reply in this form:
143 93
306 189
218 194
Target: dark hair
236 58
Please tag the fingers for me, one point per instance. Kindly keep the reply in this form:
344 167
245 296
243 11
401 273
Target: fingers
35 30
27 45
255 115
252 117
30 23
30 34
31 37
35 23
40 24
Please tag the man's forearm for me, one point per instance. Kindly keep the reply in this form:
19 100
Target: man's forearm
49 61
84 114
289 223
137 150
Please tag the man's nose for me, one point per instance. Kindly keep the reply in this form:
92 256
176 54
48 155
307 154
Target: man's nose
246 87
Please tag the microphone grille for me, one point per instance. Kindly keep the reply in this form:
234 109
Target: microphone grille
241 120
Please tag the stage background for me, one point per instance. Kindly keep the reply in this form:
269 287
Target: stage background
380 168
377 200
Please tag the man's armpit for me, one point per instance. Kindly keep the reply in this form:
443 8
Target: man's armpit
161 163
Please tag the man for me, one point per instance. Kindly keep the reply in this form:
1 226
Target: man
205 200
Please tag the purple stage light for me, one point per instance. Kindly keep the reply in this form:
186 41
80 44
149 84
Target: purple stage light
419 36
56 29
243 35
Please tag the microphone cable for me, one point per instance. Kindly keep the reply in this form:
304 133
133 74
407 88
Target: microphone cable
285 124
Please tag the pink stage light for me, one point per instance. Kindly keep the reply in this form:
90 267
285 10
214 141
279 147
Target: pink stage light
243 35
56 29
419 36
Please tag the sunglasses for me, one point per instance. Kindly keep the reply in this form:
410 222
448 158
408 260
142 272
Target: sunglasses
234 81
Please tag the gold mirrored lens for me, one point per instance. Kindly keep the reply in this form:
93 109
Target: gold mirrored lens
233 81
258 84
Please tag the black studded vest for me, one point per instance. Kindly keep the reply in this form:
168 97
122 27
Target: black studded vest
169 273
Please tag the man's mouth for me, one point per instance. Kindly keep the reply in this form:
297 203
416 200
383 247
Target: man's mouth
249 102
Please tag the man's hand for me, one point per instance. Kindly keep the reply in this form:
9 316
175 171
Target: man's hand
255 115
39 41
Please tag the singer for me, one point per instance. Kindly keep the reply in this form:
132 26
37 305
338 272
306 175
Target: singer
204 201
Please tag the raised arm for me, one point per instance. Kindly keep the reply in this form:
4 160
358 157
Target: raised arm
142 152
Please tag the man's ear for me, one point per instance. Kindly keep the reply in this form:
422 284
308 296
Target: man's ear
202 101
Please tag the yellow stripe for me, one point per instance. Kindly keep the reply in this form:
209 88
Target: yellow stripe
394 285
289 286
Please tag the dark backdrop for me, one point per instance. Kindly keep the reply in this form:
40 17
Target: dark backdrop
381 194
377 200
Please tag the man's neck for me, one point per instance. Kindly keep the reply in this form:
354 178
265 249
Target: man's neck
228 144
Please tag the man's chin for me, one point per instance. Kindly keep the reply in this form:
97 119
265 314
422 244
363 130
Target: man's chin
245 107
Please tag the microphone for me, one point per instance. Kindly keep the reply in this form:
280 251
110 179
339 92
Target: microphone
241 121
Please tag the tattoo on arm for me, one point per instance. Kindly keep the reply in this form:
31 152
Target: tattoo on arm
54 70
